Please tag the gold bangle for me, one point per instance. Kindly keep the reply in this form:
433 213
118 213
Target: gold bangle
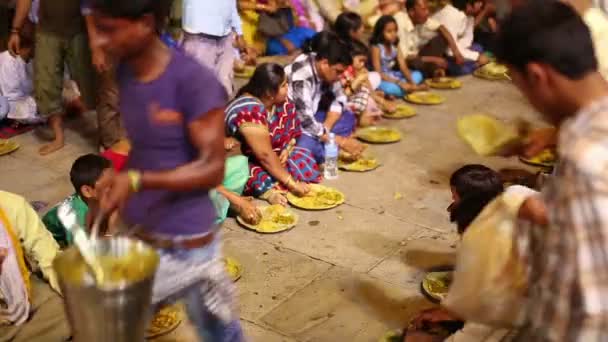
134 180
288 181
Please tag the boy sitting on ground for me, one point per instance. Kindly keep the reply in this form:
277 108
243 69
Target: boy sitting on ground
428 41
458 18
85 172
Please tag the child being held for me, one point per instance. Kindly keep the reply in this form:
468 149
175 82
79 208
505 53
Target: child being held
388 60
85 172
359 86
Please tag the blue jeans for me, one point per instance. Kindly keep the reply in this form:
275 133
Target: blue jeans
198 277
393 89
345 126
296 35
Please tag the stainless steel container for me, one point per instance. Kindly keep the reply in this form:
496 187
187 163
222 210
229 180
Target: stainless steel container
118 311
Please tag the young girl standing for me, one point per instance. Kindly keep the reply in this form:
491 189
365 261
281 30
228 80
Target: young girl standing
397 79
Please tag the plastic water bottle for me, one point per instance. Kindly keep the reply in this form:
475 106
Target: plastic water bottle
331 158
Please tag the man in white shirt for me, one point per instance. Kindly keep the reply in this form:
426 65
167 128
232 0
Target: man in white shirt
461 25
209 27
427 42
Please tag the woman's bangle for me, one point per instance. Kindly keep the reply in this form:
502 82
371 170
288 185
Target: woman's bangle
15 30
289 181
135 180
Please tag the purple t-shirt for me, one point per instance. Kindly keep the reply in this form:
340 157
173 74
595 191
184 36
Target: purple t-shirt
156 115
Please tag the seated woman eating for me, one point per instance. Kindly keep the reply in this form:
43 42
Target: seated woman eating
265 123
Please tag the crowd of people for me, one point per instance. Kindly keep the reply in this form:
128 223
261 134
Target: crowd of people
181 148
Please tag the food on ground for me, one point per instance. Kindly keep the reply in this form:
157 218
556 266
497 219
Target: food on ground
379 134
425 97
437 284
493 71
444 83
401 112
360 165
275 218
165 320
486 135
545 158
319 198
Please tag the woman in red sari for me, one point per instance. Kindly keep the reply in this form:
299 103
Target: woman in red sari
267 128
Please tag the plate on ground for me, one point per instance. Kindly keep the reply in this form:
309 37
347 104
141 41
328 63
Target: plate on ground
437 284
425 98
444 83
165 321
8 146
401 112
246 72
363 164
378 135
486 135
493 72
546 158
320 198
275 219
233 268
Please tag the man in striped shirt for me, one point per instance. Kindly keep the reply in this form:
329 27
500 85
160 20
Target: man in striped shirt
549 51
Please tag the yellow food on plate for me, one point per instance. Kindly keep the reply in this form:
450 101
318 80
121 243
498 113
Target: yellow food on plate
425 98
437 284
493 71
401 112
275 218
165 321
361 165
233 268
444 83
379 135
546 158
320 198
485 134
8 146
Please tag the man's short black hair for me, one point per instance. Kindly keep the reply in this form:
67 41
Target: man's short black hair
134 9
462 4
548 32
410 4
87 169
327 45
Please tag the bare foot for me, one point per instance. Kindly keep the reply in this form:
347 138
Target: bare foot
51 147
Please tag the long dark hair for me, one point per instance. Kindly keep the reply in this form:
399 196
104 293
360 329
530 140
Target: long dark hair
346 23
327 45
378 34
476 185
266 80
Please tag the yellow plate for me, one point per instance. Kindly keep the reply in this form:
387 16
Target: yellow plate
444 83
401 112
247 72
233 268
546 158
363 164
379 135
485 134
8 146
425 98
275 219
320 198
437 284
165 321
493 71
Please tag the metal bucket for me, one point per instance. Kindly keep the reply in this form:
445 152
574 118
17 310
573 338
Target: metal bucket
118 311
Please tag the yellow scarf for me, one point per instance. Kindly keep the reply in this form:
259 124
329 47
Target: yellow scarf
25 273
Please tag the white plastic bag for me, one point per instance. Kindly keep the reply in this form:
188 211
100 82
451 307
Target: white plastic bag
489 281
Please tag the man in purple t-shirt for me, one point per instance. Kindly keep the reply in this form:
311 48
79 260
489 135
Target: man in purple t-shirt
172 108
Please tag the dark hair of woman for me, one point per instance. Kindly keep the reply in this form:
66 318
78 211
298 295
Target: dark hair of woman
327 45
266 80
346 23
378 33
476 185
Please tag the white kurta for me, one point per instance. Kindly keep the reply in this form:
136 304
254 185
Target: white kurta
17 86
461 27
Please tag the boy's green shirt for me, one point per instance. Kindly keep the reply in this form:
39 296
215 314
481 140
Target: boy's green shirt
54 225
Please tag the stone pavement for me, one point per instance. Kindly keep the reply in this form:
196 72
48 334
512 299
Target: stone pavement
355 273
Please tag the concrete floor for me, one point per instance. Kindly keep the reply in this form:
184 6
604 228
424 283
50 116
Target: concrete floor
356 273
